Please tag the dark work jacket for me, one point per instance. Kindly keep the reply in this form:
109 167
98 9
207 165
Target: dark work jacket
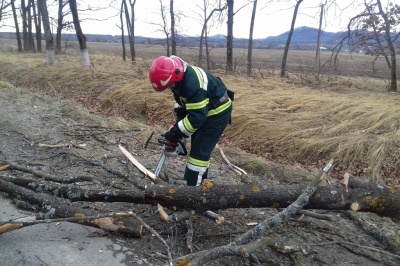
199 95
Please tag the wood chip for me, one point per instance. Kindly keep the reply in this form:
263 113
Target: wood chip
162 213
138 165
4 167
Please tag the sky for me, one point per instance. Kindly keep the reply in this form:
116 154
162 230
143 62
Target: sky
271 19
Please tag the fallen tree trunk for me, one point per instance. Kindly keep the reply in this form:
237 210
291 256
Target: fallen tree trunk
54 207
368 197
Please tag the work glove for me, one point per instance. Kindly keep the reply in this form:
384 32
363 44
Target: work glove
171 137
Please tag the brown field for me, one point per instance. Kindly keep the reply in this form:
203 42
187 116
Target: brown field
301 120
265 62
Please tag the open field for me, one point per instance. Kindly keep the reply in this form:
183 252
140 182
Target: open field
295 121
265 62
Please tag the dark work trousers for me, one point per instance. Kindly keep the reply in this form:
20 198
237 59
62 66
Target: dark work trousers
203 142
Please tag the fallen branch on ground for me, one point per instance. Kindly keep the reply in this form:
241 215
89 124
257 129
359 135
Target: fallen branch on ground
373 231
252 240
235 168
54 207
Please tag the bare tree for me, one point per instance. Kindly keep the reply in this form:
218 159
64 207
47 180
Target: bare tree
388 21
375 34
207 18
61 22
317 54
165 28
229 37
121 18
130 24
18 36
27 36
38 25
286 51
3 7
79 34
47 32
29 20
250 48
173 32
318 49
229 42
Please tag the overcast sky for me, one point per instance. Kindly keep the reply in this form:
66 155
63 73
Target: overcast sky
271 19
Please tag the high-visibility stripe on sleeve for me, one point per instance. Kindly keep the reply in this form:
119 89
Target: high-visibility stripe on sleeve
198 105
186 127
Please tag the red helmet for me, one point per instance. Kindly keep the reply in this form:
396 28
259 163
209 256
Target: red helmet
164 71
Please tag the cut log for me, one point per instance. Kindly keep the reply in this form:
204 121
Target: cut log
366 196
369 196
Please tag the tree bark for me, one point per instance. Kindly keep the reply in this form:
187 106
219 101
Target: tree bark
173 31
286 51
132 31
250 48
229 37
60 21
121 18
369 196
317 54
47 32
37 16
18 36
31 42
24 26
79 34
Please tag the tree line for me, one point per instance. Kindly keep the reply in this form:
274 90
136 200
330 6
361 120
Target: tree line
375 28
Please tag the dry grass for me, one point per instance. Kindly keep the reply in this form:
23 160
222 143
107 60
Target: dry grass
348 119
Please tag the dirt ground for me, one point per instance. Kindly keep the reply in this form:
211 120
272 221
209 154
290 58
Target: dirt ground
28 119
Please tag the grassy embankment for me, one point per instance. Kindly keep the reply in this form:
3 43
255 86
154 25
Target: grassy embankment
355 123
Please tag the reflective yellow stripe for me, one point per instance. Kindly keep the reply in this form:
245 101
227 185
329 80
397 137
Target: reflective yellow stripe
197 162
199 76
220 109
198 105
188 126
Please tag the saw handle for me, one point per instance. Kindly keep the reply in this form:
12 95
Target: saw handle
181 147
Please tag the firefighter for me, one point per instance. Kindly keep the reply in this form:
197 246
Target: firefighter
203 109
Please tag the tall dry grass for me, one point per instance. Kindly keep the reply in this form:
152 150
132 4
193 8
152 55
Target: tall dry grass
348 119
